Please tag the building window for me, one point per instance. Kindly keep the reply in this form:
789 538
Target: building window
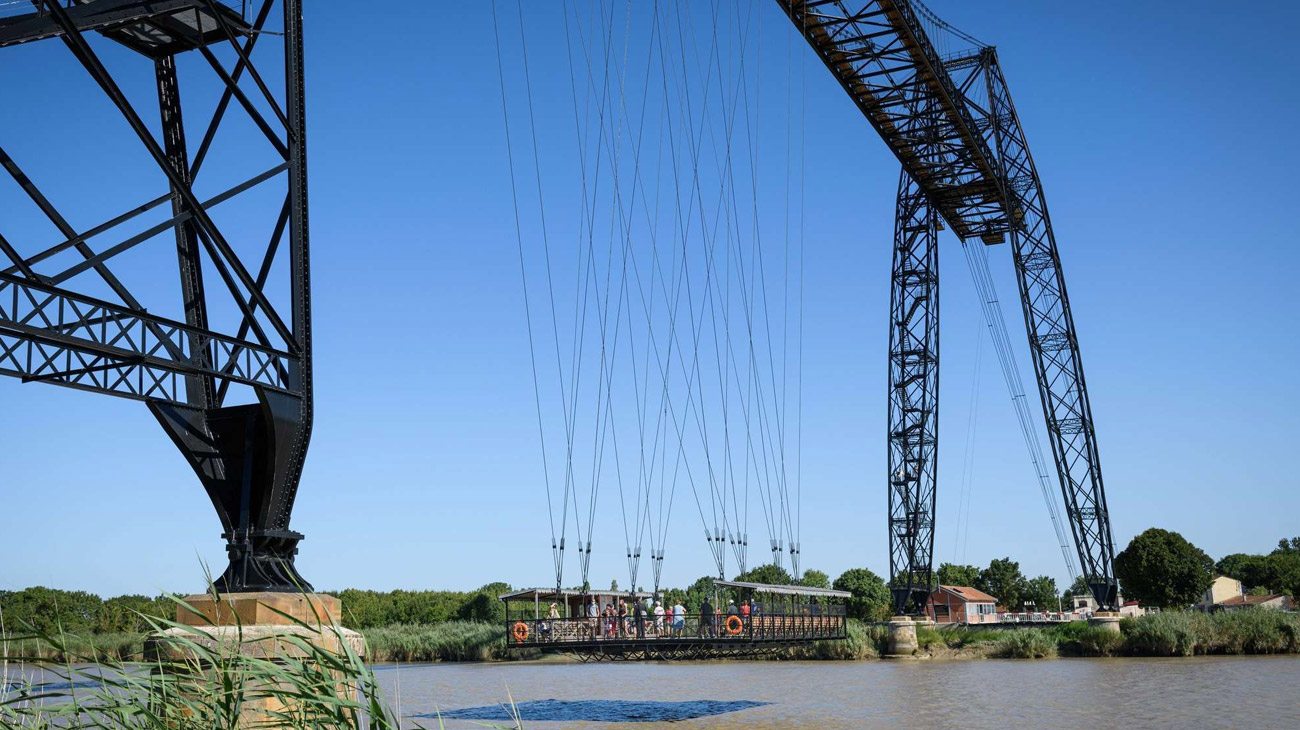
941 610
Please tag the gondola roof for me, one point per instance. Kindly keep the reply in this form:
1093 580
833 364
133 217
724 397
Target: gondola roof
784 590
545 593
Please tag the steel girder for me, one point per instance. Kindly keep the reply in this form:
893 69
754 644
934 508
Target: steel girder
249 457
913 397
881 55
953 126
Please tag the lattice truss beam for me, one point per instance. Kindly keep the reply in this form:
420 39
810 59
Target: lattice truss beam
49 331
881 55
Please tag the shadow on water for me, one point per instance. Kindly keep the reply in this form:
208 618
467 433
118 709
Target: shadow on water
601 711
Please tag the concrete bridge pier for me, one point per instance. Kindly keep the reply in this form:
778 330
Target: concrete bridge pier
1108 620
902 636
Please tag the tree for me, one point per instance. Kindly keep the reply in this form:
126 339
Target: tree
1078 588
51 610
1041 591
1235 565
131 614
1004 581
485 604
698 591
1161 568
1279 571
770 574
815 579
951 574
870 600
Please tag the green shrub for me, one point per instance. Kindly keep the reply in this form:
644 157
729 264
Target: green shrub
1025 644
863 642
1255 631
928 638
1097 641
958 638
1077 638
1165 634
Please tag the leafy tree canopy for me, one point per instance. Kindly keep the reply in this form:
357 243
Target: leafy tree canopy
1041 591
1078 588
951 574
770 574
871 599
698 591
815 579
1004 581
1161 568
1278 572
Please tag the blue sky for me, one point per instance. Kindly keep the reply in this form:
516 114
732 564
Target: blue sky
1166 143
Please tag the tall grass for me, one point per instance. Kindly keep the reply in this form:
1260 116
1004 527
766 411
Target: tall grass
451 641
862 642
1077 638
1025 644
1253 631
101 647
304 675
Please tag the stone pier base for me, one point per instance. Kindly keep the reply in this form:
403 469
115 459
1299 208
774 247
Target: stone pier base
1108 620
902 636
260 625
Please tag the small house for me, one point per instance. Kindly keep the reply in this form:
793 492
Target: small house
1222 589
962 605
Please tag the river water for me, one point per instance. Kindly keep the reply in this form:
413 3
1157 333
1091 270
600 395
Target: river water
1202 692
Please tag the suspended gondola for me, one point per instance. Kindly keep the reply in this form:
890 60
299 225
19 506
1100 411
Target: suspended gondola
747 619
664 320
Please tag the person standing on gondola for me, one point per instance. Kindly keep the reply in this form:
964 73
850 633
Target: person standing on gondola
638 614
593 618
706 618
622 617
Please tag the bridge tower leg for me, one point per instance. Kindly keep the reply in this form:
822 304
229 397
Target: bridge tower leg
249 452
249 458
913 397
1053 344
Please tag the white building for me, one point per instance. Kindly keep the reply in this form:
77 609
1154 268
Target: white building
1222 589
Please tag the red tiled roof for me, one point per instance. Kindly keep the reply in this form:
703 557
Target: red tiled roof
1251 600
966 593
1130 603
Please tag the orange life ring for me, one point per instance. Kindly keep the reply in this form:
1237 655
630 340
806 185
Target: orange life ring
734 625
520 631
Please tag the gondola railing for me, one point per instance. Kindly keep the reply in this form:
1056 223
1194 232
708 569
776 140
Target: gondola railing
766 628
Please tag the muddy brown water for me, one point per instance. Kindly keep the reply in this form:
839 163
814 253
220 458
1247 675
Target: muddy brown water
1201 692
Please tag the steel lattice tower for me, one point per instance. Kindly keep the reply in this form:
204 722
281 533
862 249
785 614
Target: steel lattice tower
951 123
248 456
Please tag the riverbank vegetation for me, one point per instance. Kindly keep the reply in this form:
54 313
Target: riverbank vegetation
193 683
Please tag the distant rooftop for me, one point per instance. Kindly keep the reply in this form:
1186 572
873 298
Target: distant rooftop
969 594
1251 600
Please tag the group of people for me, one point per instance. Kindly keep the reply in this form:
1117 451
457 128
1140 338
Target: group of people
712 620
639 619
655 619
